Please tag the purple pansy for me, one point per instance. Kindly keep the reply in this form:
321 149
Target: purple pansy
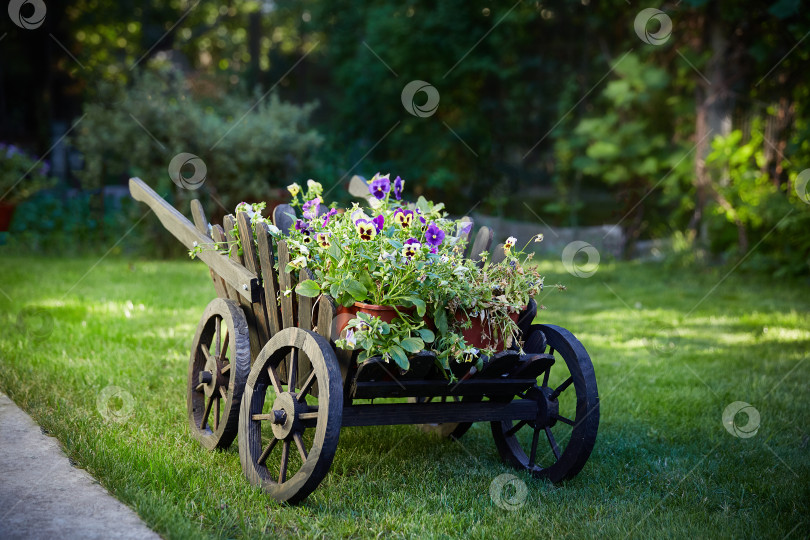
464 227
327 216
311 208
434 236
380 186
410 241
301 225
399 183
378 222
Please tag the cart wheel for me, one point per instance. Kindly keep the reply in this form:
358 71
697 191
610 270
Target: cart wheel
303 415
217 371
567 420
451 430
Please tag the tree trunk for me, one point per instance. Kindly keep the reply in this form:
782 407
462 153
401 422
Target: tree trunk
713 115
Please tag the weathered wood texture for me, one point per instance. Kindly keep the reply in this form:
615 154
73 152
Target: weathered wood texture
201 222
252 264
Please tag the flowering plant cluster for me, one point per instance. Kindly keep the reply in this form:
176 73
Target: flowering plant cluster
21 175
409 256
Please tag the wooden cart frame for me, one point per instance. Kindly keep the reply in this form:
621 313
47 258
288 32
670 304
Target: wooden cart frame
264 367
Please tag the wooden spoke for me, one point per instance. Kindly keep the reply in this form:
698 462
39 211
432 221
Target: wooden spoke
560 389
266 453
207 412
274 379
533 454
216 413
217 332
200 387
225 369
285 458
514 429
299 442
545 376
293 371
307 387
553 442
221 355
205 351
564 420
223 392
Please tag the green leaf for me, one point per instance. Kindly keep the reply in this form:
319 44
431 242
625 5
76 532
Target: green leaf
412 344
335 252
420 305
308 288
427 335
440 318
396 244
355 288
399 356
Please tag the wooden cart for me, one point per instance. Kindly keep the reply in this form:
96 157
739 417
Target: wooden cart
264 366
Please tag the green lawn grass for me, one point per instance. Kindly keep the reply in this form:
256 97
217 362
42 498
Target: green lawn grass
668 359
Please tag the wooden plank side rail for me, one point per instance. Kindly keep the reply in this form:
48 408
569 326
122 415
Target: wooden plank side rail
236 275
389 414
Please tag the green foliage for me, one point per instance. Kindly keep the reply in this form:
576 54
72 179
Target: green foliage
767 209
248 150
21 175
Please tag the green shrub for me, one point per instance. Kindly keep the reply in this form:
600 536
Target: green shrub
251 145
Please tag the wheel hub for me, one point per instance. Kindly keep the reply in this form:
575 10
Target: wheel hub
547 407
211 377
287 415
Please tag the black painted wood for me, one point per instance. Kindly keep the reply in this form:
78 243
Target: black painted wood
431 413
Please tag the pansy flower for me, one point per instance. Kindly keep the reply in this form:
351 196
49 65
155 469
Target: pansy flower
399 183
327 216
351 340
323 239
510 243
421 217
403 218
358 214
380 186
434 236
301 225
366 229
378 222
294 189
311 208
411 249
464 228
538 238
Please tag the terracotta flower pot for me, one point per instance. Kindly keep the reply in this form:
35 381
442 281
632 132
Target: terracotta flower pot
6 213
386 313
479 335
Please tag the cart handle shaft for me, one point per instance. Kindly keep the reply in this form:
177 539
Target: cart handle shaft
237 276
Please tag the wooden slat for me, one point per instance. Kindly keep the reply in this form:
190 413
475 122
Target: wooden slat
483 241
245 283
326 315
285 283
270 281
498 254
283 217
228 223
218 235
201 222
252 264
437 413
305 305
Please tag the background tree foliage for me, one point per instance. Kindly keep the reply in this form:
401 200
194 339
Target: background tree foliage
551 108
